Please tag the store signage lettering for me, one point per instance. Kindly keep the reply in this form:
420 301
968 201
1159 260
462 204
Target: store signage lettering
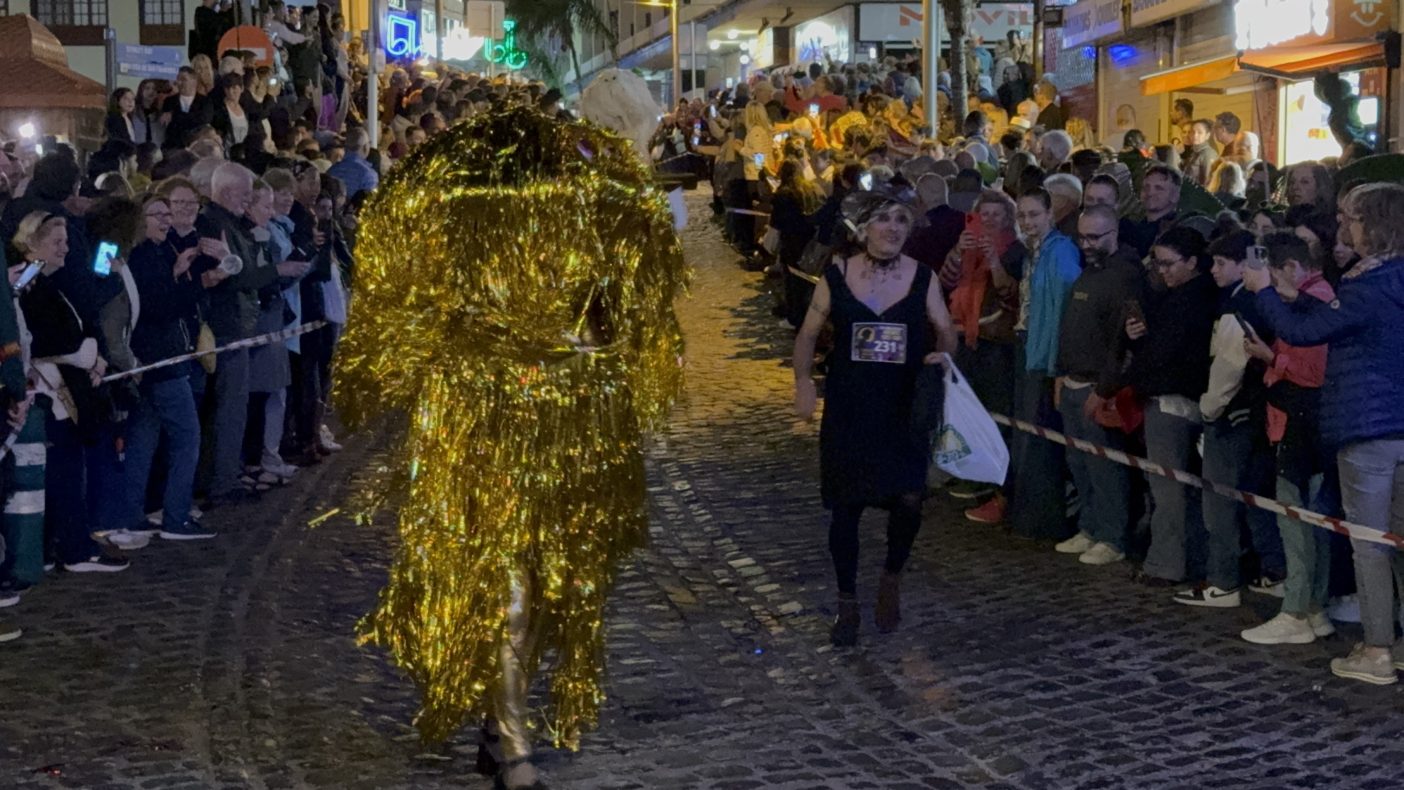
1267 23
1091 20
1148 12
903 21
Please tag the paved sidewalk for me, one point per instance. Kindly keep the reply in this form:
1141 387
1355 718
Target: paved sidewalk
231 664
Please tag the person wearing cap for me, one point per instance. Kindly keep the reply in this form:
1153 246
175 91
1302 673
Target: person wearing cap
884 308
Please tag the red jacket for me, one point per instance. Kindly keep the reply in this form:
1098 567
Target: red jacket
1305 367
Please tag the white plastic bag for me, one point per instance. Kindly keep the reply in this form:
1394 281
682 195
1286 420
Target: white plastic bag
968 445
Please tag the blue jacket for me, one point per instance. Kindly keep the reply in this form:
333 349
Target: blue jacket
1363 397
1058 266
355 173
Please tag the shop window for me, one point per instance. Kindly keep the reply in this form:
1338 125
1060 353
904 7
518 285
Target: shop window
162 22
74 22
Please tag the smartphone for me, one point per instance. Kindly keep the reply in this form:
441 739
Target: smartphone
696 140
28 274
813 109
1257 257
712 110
866 182
1248 330
102 260
1133 310
272 82
759 159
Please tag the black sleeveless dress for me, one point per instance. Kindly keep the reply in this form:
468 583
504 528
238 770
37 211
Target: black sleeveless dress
868 452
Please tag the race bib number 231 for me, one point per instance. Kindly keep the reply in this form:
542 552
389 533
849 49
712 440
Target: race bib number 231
875 342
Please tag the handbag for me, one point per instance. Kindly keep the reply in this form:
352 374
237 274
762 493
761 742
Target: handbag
815 258
770 242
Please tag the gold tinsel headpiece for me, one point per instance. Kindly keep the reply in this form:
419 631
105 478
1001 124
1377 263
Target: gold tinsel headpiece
513 306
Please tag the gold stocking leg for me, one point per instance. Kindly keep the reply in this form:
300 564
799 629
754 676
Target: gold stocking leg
510 694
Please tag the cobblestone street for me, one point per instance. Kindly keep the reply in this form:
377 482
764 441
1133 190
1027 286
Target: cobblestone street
233 664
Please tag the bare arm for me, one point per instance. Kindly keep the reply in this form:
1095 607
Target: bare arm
940 318
805 395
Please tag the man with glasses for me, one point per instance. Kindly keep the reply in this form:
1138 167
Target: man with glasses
1090 360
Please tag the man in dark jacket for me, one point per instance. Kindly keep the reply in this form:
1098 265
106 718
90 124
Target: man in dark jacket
1199 158
1170 371
185 110
1160 197
228 266
1091 332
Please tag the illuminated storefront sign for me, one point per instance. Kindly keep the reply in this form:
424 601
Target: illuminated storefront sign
401 36
1260 24
506 53
1267 23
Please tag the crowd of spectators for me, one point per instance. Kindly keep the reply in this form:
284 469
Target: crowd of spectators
218 208
1184 300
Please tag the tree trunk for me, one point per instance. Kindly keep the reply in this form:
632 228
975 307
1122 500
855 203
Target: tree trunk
959 18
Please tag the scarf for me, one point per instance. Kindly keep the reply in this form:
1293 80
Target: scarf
968 298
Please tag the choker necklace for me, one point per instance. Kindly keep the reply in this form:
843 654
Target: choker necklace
884 263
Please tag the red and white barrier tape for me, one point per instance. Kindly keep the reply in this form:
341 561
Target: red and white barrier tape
248 342
1347 528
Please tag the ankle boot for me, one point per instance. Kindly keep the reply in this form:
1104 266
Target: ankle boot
888 612
845 630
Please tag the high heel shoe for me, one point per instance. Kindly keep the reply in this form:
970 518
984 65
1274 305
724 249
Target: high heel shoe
486 764
845 629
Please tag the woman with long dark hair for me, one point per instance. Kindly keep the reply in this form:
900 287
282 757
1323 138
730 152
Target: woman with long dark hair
119 124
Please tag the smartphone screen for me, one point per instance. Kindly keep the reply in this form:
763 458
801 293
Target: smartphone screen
1133 310
866 182
27 276
759 159
813 109
696 140
102 261
1257 256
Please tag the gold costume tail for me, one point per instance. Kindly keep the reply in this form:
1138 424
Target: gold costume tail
514 306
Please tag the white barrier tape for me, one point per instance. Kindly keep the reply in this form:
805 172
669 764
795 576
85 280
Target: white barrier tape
249 342
1347 528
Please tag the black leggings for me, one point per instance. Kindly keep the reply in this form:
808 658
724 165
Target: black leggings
904 519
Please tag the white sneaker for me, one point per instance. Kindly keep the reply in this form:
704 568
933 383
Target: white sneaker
328 440
1077 544
1101 554
8 599
127 541
1321 625
274 463
1284 629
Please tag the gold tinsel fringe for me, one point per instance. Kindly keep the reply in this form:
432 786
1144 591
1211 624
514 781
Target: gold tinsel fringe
484 263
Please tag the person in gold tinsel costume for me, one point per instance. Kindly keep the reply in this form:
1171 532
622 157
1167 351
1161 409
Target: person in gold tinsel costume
514 308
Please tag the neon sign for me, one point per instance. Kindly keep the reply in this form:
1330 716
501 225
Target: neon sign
401 36
507 53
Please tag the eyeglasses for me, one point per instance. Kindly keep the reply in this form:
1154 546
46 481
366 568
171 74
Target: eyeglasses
1093 238
159 214
185 203
1165 263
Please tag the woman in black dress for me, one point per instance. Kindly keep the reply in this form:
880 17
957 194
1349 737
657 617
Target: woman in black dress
883 306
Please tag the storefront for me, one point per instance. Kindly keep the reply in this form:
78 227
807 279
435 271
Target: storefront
1293 41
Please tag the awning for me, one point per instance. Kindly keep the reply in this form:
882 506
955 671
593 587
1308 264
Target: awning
1300 62
1188 76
